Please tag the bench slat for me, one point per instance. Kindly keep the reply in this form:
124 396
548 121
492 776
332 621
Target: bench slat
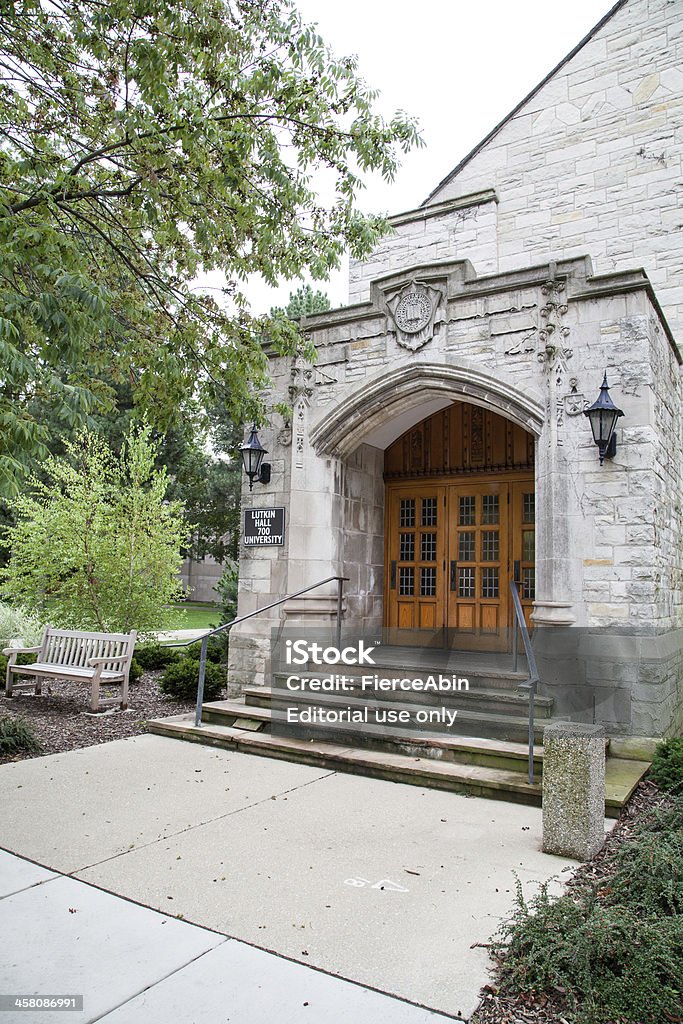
67 672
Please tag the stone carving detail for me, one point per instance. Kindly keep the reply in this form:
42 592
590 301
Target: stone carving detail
574 402
413 310
284 435
300 433
302 380
524 345
553 353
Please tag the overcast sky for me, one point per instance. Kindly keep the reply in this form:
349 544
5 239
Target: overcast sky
458 66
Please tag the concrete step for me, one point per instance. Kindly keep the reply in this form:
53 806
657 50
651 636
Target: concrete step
469 722
472 779
440 747
622 775
477 698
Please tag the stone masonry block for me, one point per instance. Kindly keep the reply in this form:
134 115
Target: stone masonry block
573 789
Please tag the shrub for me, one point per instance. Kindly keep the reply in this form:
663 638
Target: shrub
667 765
650 873
216 650
135 671
154 656
18 624
181 679
613 963
17 737
617 950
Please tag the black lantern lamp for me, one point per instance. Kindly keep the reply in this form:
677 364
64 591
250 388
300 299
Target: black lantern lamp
252 459
603 415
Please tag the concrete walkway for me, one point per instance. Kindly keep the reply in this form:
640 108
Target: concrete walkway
385 885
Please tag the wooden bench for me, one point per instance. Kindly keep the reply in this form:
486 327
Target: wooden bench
94 658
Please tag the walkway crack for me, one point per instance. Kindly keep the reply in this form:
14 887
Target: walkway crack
199 824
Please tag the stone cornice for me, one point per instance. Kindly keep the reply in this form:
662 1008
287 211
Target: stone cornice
487 195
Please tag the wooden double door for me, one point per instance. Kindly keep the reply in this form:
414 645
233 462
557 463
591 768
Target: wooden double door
452 549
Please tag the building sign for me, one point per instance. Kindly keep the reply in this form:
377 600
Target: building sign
264 527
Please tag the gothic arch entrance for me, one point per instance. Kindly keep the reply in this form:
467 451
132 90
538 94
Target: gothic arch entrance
459 525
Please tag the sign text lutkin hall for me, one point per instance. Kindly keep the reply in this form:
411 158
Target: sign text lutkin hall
437 448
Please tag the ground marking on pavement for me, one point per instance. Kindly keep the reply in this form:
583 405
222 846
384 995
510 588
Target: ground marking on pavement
384 883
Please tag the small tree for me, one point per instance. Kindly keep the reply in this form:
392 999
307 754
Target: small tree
96 545
303 302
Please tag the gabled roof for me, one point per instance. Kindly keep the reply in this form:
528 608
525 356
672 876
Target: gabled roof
484 142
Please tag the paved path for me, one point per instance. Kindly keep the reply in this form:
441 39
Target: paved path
386 885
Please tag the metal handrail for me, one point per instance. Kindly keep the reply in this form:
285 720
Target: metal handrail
340 580
533 680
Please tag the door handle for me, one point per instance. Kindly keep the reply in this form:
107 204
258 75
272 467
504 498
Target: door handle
454 575
517 572
392 584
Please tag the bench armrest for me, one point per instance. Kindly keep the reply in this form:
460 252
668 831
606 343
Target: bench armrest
21 650
106 661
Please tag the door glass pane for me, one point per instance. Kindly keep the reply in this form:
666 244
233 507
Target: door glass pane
490 509
466 582
529 508
529 584
528 545
429 511
489 582
406 581
428 547
428 582
407 548
407 513
466 547
467 511
489 545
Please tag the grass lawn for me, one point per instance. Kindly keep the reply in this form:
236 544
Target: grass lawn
187 615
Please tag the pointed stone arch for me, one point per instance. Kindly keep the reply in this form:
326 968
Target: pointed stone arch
414 388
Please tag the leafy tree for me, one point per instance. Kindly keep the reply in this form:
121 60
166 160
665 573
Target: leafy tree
96 545
144 143
303 302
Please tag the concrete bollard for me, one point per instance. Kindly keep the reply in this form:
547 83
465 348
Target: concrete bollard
573 789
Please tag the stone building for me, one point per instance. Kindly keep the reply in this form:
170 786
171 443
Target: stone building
438 447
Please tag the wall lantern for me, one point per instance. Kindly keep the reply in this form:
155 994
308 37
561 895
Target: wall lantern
603 415
252 459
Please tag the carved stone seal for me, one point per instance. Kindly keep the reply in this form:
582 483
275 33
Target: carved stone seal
413 310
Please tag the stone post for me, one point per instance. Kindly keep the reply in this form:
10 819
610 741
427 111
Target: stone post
573 789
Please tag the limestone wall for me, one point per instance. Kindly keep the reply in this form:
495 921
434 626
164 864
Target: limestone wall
592 163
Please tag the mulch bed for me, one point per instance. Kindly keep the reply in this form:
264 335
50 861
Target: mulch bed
524 1009
61 720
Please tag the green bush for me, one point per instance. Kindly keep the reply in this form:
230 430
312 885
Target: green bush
180 680
154 656
611 962
216 650
649 878
616 951
17 737
667 765
18 624
136 671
